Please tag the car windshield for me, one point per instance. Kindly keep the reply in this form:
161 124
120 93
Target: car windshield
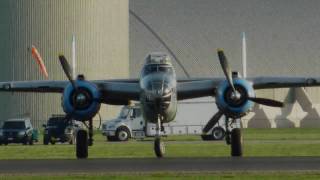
124 113
14 125
156 68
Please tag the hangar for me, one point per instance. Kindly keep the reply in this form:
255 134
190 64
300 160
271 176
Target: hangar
101 30
282 40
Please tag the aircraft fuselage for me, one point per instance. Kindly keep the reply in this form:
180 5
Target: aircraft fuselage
158 83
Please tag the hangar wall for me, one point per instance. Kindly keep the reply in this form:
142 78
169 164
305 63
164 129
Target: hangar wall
282 40
101 30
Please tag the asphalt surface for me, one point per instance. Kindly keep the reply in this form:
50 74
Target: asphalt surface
165 164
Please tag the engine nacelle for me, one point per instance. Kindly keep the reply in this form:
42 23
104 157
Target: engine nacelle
235 107
82 103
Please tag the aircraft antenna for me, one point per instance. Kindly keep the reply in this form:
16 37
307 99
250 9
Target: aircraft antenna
160 40
74 57
244 55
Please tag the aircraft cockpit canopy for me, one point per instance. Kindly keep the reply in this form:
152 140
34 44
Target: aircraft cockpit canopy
153 68
158 58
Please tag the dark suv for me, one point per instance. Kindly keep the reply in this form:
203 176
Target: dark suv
17 131
58 129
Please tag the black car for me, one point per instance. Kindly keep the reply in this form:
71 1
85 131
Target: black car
17 131
58 129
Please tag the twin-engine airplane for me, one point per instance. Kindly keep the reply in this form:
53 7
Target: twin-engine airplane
158 91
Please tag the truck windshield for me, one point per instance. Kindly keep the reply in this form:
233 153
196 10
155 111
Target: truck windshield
56 121
124 113
14 125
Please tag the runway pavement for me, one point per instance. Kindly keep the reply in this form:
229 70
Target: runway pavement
165 164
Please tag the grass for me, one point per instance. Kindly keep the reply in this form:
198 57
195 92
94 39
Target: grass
258 142
178 176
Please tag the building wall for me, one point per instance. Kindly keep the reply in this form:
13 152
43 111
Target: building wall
101 30
282 40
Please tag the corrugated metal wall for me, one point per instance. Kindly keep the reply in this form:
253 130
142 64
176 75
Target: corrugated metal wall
101 30
282 40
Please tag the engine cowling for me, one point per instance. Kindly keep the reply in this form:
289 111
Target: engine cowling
82 103
235 105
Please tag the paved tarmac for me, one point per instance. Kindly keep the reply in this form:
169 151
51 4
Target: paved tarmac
165 164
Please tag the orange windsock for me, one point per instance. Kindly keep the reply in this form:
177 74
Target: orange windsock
37 57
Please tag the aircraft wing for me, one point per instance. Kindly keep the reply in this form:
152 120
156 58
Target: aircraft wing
120 90
283 82
195 88
117 90
33 86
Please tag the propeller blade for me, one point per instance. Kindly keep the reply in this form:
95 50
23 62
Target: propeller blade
67 69
213 121
267 102
225 67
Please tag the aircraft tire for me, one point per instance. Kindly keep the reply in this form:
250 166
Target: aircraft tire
82 144
206 137
159 147
236 142
218 133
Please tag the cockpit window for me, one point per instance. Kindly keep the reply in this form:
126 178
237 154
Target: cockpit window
156 68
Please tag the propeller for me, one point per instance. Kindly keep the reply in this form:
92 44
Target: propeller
267 102
236 96
226 69
67 69
228 73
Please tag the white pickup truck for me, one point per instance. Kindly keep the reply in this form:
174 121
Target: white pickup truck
191 118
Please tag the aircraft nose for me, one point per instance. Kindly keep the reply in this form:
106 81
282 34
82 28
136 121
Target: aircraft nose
160 89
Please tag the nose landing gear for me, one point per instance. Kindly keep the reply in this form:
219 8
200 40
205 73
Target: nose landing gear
234 137
83 140
159 146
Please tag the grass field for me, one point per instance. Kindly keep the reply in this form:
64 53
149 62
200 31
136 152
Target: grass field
178 176
257 142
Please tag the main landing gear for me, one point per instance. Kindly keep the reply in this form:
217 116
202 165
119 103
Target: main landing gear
83 140
234 137
159 147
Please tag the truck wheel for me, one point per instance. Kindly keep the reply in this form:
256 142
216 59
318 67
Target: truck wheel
46 139
236 142
31 141
53 142
218 133
25 141
123 134
111 138
82 144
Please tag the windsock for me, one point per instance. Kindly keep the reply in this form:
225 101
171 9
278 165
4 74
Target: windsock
38 59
